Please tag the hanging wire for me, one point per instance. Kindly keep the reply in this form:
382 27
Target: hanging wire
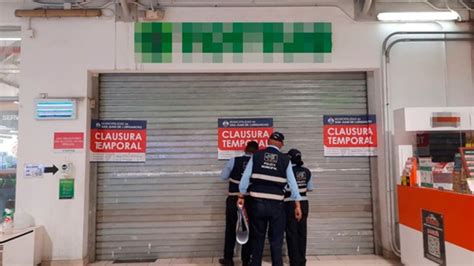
465 5
139 5
427 2
84 4
151 5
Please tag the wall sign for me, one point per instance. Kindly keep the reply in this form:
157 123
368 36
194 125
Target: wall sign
68 141
55 109
118 141
445 119
350 135
33 170
234 133
38 170
66 188
422 144
240 42
9 119
433 237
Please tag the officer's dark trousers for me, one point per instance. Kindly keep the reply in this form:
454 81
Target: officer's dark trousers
230 226
267 214
296 233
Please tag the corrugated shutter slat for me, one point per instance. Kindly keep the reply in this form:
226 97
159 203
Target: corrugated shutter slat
173 205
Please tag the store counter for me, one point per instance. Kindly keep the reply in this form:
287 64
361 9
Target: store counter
21 247
436 227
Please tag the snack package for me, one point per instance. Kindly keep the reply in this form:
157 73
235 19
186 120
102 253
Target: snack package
7 224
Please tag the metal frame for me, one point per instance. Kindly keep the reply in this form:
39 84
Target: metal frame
388 149
94 114
373 162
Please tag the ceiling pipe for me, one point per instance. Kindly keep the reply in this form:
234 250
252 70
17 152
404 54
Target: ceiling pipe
9 83
257 4
50 13
388 149
387 39
389 48
366 7
125 9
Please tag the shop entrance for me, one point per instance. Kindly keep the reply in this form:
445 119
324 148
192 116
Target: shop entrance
173 205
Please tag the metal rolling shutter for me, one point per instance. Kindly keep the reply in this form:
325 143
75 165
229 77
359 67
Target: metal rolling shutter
173 205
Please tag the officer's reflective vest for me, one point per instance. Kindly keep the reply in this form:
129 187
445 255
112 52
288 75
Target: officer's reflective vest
236 174
302 175
268 178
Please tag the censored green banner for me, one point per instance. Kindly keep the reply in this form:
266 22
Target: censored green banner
243 42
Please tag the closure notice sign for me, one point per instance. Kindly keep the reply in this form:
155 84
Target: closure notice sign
234 133
118 141
350 135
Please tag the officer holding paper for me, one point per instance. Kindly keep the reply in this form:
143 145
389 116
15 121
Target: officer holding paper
233 172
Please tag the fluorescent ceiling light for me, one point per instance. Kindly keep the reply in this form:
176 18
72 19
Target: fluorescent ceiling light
418 16
10 39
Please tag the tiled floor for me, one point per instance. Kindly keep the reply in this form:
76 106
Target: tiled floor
317 261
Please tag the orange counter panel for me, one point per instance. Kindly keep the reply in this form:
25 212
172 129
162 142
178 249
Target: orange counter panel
457 210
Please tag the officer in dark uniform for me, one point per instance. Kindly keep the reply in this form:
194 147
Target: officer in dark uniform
296 231
233 172
268 173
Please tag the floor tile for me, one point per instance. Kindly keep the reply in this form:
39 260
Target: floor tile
187 264
203 261
326 263
100 263
327 258
161 262
181 261
359 257
347 260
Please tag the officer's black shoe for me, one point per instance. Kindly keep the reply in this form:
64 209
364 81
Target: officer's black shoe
226 262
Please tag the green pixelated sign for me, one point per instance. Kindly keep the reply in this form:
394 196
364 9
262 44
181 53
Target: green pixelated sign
243 42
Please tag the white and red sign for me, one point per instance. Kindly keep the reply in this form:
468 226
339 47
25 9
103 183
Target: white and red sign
350 135
118 141
68 141
423 144
234 133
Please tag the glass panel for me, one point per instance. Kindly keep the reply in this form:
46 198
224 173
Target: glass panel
9 89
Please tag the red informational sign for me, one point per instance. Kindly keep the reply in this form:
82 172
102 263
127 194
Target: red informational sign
118 141
422 144
350 135
68 140
234 133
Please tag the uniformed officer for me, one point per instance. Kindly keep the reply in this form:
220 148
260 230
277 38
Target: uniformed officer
296 231
268 173
233 172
